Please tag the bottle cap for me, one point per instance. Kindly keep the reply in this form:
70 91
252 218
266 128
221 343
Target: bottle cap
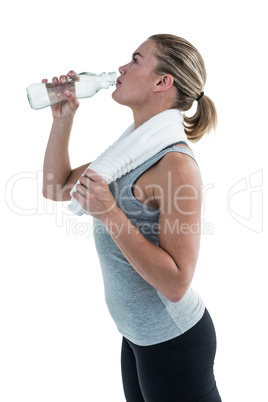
112 78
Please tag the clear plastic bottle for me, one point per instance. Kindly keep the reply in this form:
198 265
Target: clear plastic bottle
84 85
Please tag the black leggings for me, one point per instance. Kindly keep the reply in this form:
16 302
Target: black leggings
179 370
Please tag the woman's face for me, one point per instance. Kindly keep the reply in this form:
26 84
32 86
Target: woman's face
135 85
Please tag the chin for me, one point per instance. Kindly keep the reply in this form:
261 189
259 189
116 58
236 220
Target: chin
116 97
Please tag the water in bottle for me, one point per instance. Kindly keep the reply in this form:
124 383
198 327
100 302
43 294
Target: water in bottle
84 85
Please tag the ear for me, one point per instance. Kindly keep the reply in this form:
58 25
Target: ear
163 83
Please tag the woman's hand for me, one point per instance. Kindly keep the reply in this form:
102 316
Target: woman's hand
94 195
68 107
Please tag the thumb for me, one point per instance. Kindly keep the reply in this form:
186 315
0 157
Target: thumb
70 96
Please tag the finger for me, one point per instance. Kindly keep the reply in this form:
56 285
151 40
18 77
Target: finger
71 98
80 189
63 78
85 181
44 80
92 175
55 80
71 73
79 198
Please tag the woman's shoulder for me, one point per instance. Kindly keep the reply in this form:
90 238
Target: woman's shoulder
177 156
177 166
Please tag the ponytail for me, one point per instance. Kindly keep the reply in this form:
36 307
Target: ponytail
203 121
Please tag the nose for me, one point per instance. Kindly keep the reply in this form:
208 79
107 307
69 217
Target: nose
123 69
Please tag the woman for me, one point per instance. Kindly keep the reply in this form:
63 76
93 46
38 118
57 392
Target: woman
146 227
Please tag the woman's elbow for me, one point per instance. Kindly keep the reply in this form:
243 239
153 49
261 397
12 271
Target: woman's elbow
179 289
177 294
49 195
59 195
175 298
45 194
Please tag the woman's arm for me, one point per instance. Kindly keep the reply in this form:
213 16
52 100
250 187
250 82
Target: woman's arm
58 177
169 267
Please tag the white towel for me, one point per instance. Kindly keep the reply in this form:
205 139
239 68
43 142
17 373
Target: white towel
135 147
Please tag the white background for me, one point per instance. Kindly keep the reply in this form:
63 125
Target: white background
57 340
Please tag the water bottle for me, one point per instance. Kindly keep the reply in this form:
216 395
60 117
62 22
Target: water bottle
84 85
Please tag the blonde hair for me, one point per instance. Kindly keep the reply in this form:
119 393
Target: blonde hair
179 58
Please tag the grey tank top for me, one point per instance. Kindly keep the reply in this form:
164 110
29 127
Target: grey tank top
142 314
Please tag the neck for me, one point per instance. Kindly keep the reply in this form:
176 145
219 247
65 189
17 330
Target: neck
144 115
